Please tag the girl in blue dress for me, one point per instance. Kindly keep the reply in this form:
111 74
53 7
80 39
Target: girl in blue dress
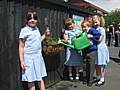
31 59
74 58
103 53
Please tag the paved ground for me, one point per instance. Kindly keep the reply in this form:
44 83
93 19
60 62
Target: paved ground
112 79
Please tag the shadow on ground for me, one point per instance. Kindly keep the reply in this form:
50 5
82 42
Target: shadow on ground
117 60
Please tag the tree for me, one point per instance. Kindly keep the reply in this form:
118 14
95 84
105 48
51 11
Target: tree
112 17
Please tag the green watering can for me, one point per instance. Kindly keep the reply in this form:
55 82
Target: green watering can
78 42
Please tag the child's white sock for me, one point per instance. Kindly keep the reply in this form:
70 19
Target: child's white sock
102 79
70 74
77 75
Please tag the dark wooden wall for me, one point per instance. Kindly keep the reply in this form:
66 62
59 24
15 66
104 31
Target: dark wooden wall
12 18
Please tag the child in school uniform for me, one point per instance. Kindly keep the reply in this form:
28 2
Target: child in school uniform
73 58
102 52
90 53
31 59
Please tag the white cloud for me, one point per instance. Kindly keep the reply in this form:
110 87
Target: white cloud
107 4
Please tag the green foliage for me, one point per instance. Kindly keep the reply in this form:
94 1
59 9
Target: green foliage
112 17
50 41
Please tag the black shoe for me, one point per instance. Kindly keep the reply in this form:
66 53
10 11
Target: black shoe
96 80
90 83
100 84
84 82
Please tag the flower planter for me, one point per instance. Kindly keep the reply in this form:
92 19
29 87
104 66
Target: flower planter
50 50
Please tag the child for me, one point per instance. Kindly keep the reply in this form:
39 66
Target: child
31 60
74 58
90 53
103 53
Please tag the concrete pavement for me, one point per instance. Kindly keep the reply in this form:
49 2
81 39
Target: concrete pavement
112 79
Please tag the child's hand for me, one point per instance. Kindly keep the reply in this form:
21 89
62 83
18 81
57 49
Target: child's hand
23 65
91 43
47 31
89 36
66 41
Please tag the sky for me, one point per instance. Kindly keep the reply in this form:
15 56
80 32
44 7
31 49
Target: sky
108 5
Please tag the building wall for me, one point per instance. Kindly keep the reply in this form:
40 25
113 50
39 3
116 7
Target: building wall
12 16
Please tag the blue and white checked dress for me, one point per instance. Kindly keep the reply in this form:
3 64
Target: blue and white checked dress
73 57
33 58
103 53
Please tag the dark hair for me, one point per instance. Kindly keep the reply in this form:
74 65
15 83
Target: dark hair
68 22
31 15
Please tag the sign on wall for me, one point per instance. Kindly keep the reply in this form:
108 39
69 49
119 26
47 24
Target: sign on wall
78 20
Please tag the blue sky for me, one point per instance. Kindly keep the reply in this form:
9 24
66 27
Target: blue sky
106 4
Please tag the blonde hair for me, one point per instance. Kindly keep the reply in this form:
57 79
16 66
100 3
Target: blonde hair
101 19
85 22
